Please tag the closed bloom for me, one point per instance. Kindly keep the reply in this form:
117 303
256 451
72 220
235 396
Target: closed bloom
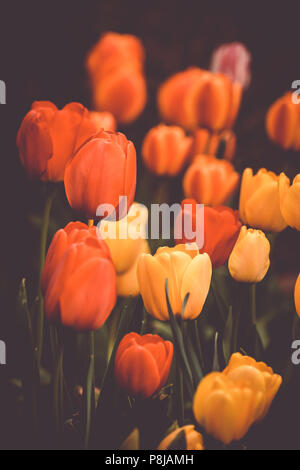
104 121
297 296
233 60
126 240
283 123
221 227
290 200
79 279
187 271
194 440
249 260
142 364
220 144
101 172
210 181
259 201
199 98
166 149
228 403
48 138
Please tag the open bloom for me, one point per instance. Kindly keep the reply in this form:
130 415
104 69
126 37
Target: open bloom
101 172
49 137
297 296
142 364
210 181
249 260
79 279
259 201
126 240
166 149
193 438
187 271
220 227
283 123
104 120
233 60
220 144
228 403
290 200
115 67
199 98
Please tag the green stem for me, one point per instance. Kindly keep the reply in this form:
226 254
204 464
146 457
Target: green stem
57 390
180 393
253 303
43 245
89 390
198 344
217 299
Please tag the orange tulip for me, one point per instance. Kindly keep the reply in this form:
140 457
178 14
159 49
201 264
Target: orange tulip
104 121
142 364
115 67
290 200
101 172
210 181
283 123
227 404
194 440
198 98
165 149
249 260
214 143
48 138
187 271
79 279
259 201
297 296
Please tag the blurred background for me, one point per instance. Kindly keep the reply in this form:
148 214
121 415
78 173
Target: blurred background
42 52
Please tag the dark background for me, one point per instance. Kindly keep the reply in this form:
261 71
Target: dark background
42 51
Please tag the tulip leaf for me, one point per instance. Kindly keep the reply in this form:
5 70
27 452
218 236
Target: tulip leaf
228 336
216 362
179 442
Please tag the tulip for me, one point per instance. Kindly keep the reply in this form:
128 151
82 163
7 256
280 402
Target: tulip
290 200
228 403
219 144
297 296
101 172
193 438
259 201
48 138
79 281
249 260
142 364
126 241
198 98
221 227
283 122
233 60
187 271
104 121
166 149
210 181
115 67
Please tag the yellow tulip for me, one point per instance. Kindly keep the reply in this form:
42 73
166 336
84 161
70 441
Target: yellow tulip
259 201
297 296
126 241
290 200
194 440
228 403
187 271
249 260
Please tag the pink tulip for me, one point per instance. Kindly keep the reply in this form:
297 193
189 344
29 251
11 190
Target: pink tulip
234 60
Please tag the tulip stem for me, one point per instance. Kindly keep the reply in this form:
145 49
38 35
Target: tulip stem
218 301
43 245
253 303
58 388
89 390
180 393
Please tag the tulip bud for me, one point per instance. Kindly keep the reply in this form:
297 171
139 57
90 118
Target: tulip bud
187 271
193 438
165 149
259 201
142 364
210 181
283 123
297 296
233 60
102 172
290 200
48 138
219 144
249 260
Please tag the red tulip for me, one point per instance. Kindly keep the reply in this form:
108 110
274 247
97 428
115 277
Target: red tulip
48 138
219 144
143 363
221 230
102 171
233 60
